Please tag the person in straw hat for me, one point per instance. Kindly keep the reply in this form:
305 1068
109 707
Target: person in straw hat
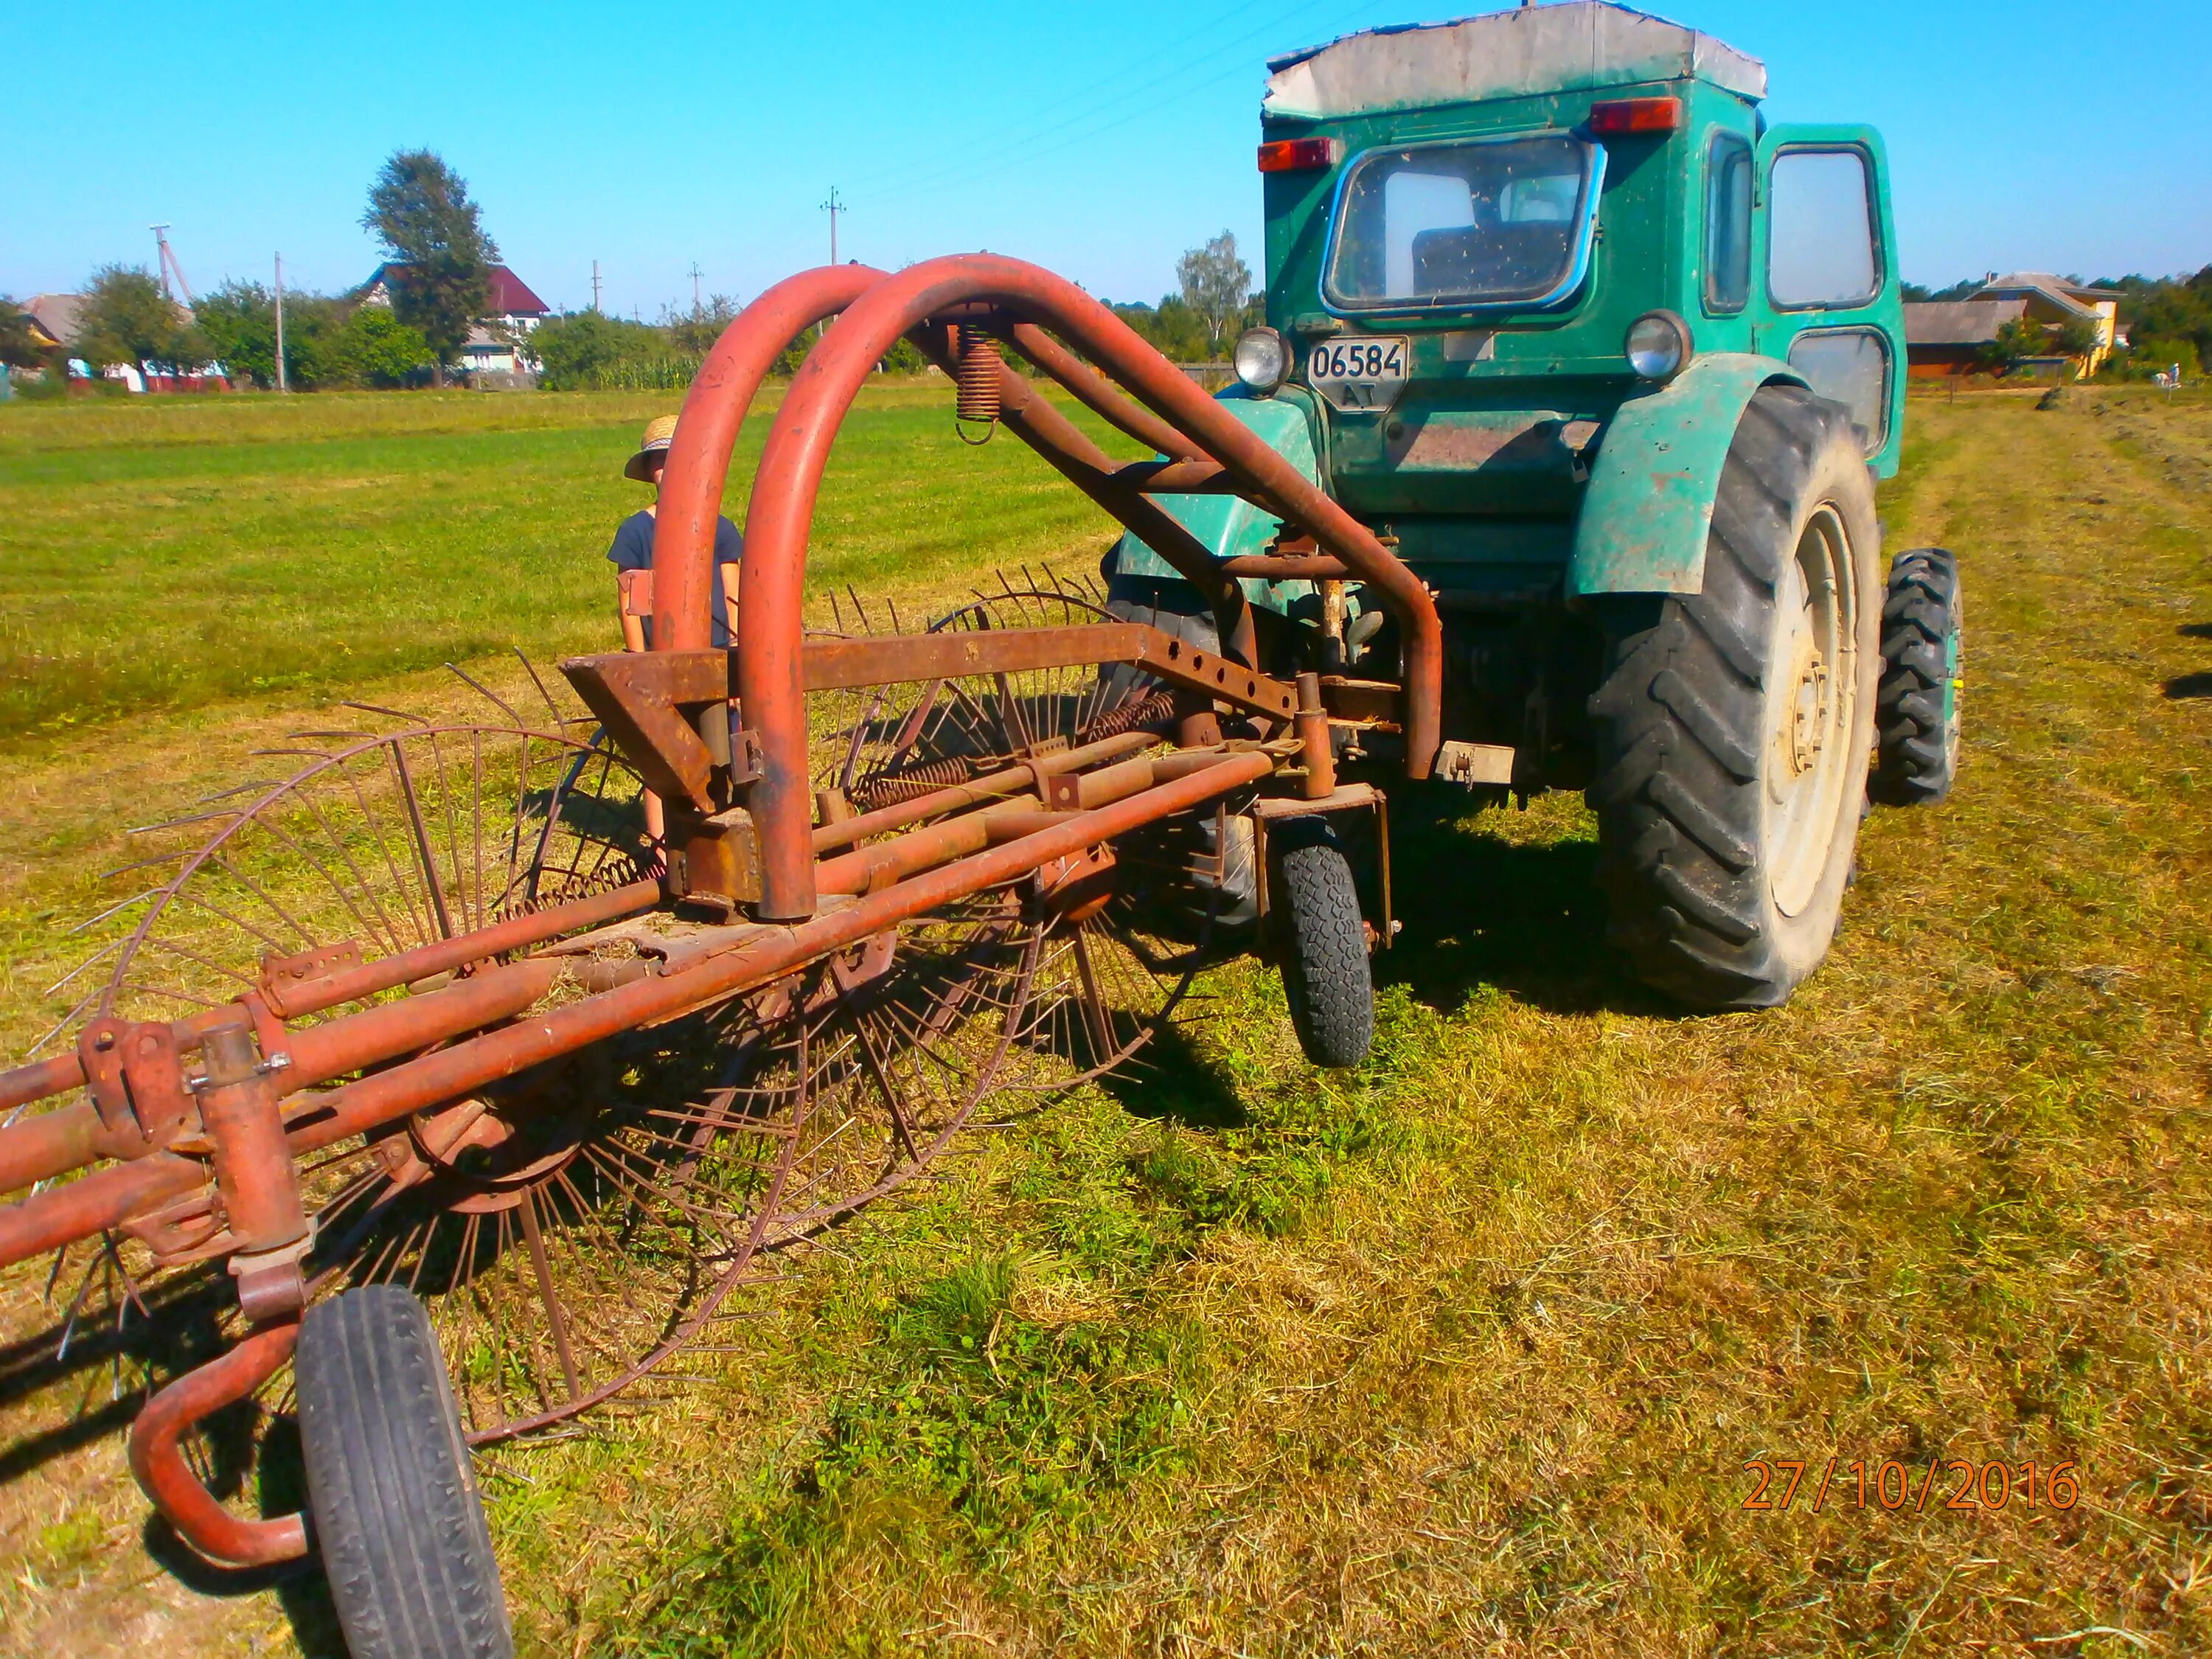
632 557
632 552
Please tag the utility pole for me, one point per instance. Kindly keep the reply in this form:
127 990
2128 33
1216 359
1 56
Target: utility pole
833 207
166 265
283 383
695 274
595 284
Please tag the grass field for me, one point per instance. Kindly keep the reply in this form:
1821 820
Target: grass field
166 557
1464 1353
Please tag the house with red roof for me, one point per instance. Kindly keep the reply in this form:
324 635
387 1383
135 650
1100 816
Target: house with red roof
499 342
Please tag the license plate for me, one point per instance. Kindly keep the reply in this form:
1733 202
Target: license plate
1363 374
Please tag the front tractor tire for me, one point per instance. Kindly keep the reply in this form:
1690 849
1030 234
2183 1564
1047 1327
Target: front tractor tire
1732 726
1321 942
1917 709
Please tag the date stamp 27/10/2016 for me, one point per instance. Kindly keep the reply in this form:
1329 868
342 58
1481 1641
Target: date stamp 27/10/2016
1955 1483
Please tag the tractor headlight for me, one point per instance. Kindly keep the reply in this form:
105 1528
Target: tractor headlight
1658 344
1262 358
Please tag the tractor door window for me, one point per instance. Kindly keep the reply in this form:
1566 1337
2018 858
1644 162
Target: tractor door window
1851 365
1727 223
1445 226
1820 252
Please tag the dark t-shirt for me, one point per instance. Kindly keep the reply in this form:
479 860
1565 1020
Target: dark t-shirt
633 550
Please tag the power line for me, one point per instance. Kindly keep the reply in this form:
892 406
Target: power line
1103 93
1170 91
833 207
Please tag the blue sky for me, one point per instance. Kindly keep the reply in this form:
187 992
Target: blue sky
1098 139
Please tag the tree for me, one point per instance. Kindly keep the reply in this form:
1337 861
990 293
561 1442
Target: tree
1215 283
17 349
697 329
419 207
126 319
2076 338
240 321
375 348
2016 340
575 350
1964 289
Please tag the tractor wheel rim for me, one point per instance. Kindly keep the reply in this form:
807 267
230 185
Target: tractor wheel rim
1811 702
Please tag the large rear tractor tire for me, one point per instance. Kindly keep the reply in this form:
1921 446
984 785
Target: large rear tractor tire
1321 942
1917 710
389 1487
1732 726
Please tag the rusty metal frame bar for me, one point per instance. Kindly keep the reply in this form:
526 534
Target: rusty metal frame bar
110 1196
639 696
779 518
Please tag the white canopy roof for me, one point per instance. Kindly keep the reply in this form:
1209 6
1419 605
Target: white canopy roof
1502 54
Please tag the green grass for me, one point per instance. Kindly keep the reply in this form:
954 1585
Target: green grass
1466 1351
169 555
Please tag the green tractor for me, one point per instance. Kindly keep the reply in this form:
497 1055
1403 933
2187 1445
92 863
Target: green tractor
1612 366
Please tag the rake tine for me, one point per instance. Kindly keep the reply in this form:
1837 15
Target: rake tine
241 788
552 707
189 818
379 709
484 690
93 922
148 863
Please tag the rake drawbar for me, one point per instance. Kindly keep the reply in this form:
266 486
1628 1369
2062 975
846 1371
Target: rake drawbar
190 1135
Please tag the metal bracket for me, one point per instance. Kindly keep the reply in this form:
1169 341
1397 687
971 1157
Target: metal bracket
136 1081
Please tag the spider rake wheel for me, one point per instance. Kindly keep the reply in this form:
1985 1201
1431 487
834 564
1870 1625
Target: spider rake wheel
1110 964
573 1227
381 842
877 746
578 1229
1121 937
902 1039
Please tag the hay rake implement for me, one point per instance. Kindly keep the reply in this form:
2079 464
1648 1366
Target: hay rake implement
426 1062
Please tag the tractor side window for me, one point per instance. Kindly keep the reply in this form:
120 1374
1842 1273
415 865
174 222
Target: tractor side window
1851 365
1436 225
1820 252
1727 223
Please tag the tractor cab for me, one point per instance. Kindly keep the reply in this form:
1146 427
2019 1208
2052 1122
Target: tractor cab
1495 247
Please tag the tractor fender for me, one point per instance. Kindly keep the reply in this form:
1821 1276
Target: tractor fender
1230 525
1649 504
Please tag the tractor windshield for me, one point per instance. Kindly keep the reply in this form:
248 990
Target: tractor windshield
1436 226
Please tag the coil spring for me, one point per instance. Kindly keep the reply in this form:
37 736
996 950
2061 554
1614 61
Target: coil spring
894 788
978 383
1138 711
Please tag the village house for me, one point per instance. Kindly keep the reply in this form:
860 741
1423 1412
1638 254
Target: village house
1952 337
54 325
497 349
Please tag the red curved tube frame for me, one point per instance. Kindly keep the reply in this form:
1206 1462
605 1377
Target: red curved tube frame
789 480
165 1477
698 464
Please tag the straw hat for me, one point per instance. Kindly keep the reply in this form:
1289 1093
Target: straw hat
659 433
